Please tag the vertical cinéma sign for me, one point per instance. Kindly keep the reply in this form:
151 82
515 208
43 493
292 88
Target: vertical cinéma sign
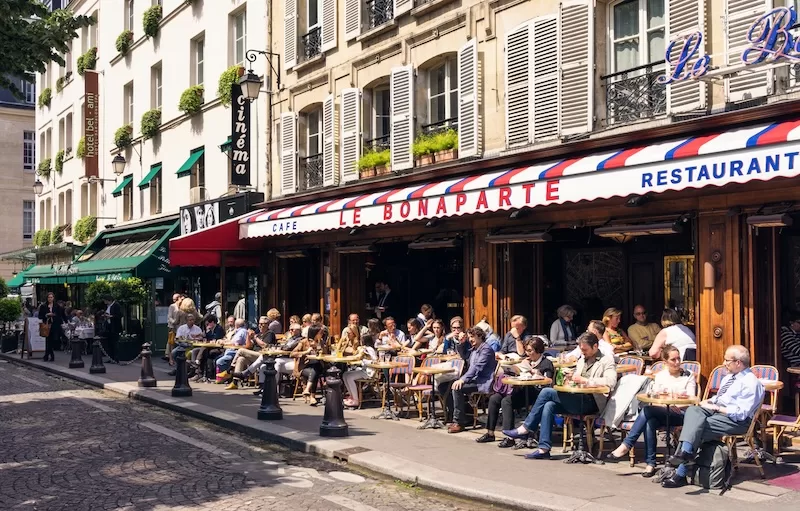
91 124
240 137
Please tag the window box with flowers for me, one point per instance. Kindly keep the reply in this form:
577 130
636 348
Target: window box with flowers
151 123
445 145
423 150
45 168
41 238
151 20
191 100
80 152
123 137
87 61
85 228
45 97
60 161
374 163
63 81
226 80
124 41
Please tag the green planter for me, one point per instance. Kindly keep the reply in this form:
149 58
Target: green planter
9 342
128 348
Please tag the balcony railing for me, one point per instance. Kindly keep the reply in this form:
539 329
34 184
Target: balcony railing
312 43
377 144
379 12
440 126
635 94
311 172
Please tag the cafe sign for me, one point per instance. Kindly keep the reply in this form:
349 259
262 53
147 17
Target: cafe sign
769 38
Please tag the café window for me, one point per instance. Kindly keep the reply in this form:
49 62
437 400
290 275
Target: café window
637 33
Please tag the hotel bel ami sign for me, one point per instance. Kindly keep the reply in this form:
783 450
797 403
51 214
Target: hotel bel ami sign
741 156
769 38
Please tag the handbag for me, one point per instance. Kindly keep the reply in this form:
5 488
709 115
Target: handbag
44 329
504 389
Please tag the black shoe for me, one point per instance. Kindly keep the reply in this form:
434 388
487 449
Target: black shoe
241 376
679 458
506 443
485 438
173 372
674 481
258 392
610 458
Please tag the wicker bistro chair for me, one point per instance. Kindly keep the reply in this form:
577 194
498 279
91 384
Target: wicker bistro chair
748 438
780 425
400 381
714 381
631 360
422 383
373 384
458 364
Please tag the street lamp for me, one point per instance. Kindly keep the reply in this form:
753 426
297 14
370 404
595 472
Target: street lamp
38 187
119 164
251 83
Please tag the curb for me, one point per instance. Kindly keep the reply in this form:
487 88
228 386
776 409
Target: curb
373 461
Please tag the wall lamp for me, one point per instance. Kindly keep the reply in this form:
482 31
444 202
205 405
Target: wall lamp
251 83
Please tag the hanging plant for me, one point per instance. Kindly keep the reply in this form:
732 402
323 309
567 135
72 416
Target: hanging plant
226 81
57 235
151 123
80 152
191 100
151 20
41 238
123 136
45 96
124 41
60 161
87 61
60 83
45 169
85 228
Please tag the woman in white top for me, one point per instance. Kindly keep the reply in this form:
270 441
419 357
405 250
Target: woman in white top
368 354
672 379
562 331
674 333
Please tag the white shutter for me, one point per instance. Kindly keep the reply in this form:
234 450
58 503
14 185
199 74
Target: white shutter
330 177
739 16
469 121
288 153
686 17
350 144
401 98
577 66
352 19
545 78
402 7
328 25
518 93
290 34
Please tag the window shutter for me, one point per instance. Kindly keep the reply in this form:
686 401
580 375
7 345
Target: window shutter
545 78
288 153
290 34
686 17
352 19
402 7
518 93
350 145
330 177
577 66
401 97
739 15
328 25
469 125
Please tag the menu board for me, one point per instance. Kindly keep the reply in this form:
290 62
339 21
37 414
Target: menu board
33 341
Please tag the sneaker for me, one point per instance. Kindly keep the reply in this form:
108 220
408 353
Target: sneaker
233 386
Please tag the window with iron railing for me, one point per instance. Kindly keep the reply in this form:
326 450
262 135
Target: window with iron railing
379 12
440 126
312 43
310 172
377 143
635 94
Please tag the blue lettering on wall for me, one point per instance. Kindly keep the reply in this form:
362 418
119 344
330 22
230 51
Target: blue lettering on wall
679 67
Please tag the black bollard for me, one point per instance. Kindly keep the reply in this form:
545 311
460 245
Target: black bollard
181 388
97 366
76 362
333 424
270 409
147 379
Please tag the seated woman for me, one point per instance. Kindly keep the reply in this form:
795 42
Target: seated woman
562 331
348 344
674 333
311 369
674 379
535 362
437 342
614 334
420 335
368 355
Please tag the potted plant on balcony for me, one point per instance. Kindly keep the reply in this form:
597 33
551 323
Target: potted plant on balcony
85 228
226 81
151 20
124 41
45 97
191 100
151 123
87 61
382 161
80 152
422 150
445 145
60 161
123 137
366 165
57 234
45 168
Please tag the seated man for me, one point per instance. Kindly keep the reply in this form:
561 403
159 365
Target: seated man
598 329
240 337
187 332
642 333
593 369
478 378
391 337
283 365
729 412
244 357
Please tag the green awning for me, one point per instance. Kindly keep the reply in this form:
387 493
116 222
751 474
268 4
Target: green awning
186 168
138 252
18 279
155 169
226 146
120 187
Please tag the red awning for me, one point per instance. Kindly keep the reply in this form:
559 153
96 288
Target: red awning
205 247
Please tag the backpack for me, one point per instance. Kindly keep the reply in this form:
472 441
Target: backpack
713 468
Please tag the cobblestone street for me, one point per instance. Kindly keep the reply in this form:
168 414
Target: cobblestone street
69 447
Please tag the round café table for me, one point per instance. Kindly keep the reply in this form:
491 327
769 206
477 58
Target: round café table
515 381
432 422
387 412
581 455
667 401
793 370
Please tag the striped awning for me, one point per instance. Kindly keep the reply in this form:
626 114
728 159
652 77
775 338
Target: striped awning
750 154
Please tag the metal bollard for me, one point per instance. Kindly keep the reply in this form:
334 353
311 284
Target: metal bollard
333 424
76 362
270 408
147 379
181 388
97 366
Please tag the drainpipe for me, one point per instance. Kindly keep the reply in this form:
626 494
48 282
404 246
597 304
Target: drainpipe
268 159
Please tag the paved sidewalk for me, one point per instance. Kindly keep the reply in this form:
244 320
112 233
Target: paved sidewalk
452 463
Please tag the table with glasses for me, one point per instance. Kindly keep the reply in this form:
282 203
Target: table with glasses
432 422
581 455
385 366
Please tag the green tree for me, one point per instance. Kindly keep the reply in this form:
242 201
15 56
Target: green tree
30 37
3 288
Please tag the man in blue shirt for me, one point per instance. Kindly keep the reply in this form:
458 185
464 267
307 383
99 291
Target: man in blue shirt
240 337
729 412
